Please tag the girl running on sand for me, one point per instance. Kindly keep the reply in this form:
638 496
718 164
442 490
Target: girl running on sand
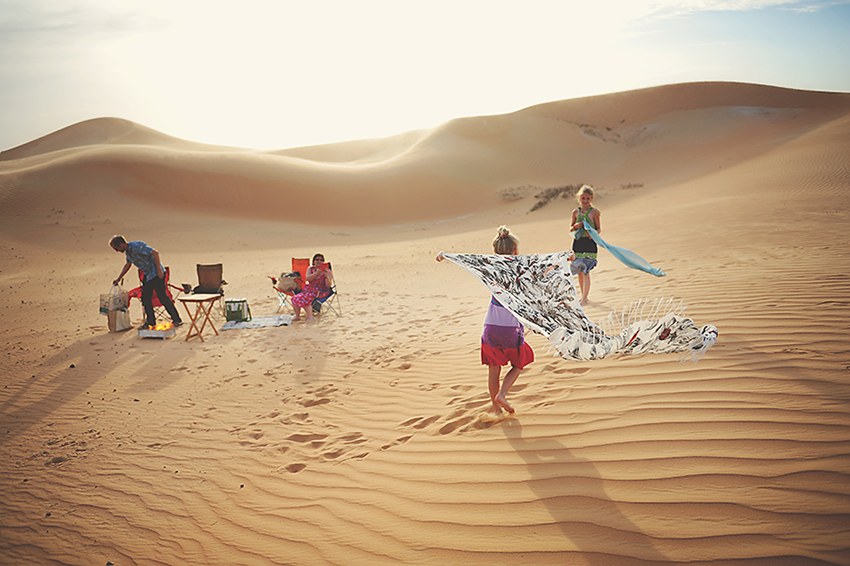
503 338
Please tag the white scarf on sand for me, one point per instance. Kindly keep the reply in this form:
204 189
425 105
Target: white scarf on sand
539 291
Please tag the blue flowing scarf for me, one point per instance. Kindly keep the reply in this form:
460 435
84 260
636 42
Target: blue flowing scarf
627 257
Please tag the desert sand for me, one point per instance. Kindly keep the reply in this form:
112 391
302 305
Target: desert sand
363 438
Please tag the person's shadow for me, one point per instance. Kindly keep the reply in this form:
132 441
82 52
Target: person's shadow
573 492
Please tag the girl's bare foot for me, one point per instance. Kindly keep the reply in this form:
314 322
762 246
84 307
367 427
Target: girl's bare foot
503 403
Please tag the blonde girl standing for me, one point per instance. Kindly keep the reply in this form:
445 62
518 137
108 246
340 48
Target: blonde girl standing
584 247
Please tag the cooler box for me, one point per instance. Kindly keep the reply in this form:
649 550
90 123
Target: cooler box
237 310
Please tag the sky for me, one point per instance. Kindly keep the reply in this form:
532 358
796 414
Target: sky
275 74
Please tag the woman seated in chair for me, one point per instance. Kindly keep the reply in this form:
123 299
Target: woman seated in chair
317 285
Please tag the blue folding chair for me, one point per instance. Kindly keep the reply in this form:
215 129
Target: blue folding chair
331 302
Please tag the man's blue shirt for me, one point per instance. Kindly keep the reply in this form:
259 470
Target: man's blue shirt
140 255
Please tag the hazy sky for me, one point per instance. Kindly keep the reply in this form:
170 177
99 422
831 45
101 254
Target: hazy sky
272 74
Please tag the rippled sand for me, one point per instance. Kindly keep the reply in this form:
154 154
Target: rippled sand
364 439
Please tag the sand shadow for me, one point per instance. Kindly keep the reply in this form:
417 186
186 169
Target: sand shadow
573 492
57 381
112 366
108 366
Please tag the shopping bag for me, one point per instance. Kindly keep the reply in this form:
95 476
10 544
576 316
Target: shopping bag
288 282
115 300
118 320
115 305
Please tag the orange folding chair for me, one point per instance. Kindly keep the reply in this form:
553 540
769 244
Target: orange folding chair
158 308
285 291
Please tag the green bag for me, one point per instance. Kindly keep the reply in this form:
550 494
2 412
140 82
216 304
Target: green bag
237 310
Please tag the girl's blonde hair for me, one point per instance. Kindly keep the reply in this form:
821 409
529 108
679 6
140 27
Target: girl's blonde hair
505 242
584 190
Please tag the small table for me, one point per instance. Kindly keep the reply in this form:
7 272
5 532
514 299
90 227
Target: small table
203 306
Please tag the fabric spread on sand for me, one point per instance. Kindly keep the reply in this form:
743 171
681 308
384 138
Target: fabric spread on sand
260 322
540 292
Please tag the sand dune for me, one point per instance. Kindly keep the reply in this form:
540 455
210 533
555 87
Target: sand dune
364 439
463 165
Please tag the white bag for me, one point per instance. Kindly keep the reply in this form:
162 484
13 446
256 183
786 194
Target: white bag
118 321
115 300
288 282
115 305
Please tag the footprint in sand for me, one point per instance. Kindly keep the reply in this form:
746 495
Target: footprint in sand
333 454
457 413
305 438
489 419
251 439
399 440
353 438
295 468
297 418
350 441
314 402
426 422
456 424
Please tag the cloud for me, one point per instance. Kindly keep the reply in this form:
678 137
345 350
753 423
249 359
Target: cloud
685 7
43 18
38 36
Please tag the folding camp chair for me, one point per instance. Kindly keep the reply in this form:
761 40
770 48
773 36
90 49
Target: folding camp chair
331 302
285 294
158 309
210 282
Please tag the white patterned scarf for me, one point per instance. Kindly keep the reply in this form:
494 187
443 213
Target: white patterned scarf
539 290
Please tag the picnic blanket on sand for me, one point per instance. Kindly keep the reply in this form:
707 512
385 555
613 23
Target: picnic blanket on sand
260 321
539 291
